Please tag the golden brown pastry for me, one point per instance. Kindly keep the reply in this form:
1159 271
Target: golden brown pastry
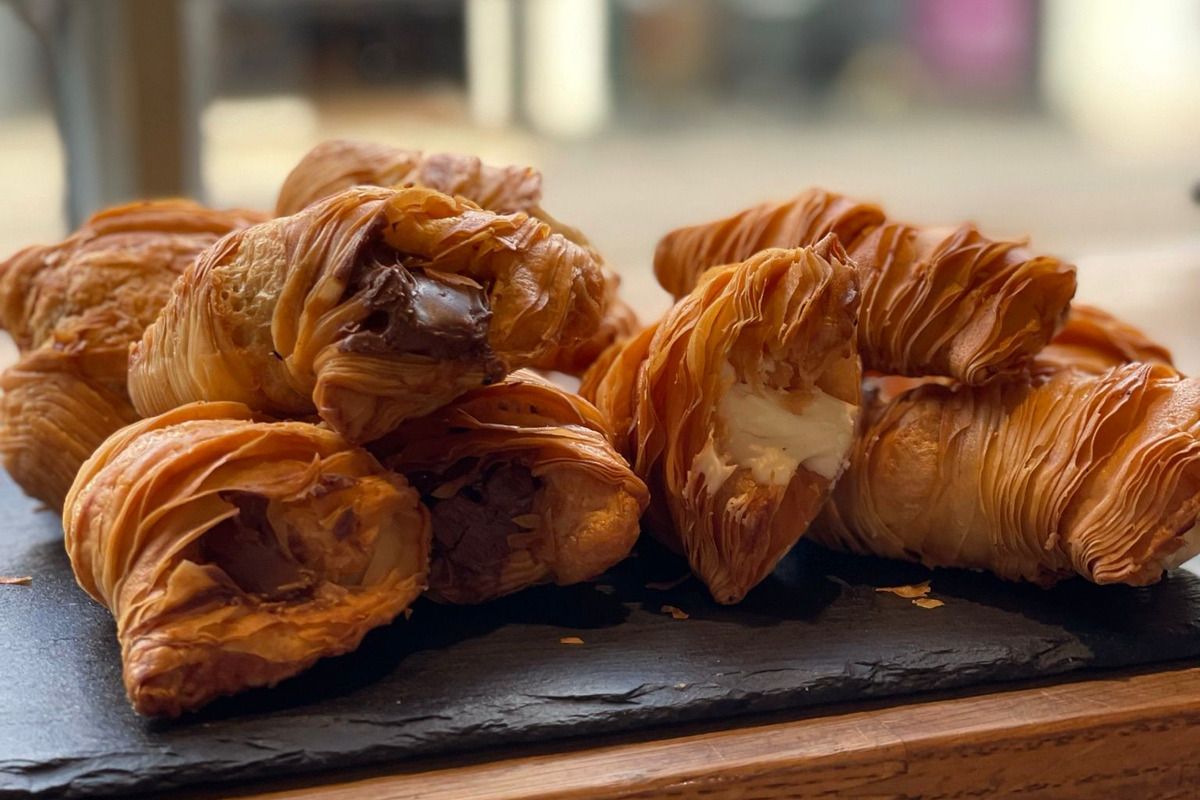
1094 341
73 308
523 487
370 307
235 552
738 409
936 301
340 164
337 165
1035 479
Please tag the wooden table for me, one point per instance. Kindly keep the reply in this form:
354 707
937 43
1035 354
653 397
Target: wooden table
1131 735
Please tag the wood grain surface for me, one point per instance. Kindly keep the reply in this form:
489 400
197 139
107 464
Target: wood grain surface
1133 736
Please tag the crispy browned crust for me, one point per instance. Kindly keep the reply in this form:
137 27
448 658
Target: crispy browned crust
1094 341
936 301
1038 478
140 521
73 308
784 319
584 514
271 316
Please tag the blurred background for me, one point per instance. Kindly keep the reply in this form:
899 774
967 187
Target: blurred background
1075 122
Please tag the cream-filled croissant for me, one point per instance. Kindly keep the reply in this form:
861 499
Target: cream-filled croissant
368 308
73 308
523 488
1067 473
337 165
235 552
935 301
738 409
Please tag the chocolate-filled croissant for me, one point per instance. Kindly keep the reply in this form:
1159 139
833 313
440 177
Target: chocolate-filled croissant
337 165
935 301
73 308
738 409
370 307
1038 478
235 552
523 487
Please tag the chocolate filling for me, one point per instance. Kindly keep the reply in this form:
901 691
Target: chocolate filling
471 529
246 549
413 312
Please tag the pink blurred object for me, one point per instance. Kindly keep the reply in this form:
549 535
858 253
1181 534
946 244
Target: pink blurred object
976 43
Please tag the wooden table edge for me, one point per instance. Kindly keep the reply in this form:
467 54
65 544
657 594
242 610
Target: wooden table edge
1113 736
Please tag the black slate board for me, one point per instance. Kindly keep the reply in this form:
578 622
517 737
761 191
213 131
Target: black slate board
455 679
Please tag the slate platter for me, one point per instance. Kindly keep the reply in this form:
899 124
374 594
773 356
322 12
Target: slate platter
454 679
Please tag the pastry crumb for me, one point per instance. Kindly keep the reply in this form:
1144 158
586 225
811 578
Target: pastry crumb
604 588
570 640
676 613
23 580
907 592
928 602
408 613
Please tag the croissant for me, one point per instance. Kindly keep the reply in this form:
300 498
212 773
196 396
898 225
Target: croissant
235 552
1094 341
1037 479
935 301
738 409
523 486
368 308
73 308
337 165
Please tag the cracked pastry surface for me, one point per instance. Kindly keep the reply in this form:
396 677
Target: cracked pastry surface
738 409
73 308
368 308
948 301
234 552
523 488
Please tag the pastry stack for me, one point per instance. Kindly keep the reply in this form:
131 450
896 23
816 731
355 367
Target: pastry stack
269 434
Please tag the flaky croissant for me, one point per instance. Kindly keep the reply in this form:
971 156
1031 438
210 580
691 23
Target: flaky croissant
73 308
234 552
935 301
337 165
523 487
370 307
1036 478
1094 341
738 409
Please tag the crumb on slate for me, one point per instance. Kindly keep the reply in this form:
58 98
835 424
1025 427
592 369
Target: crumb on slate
23 580
676 613
907 592
928 602
570 640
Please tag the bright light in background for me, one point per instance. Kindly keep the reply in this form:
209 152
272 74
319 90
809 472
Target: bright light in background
1126 74
566 66
490 62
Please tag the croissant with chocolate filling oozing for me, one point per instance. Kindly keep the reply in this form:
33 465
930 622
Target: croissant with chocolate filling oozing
371 307
73 308
523 488
739 408
337 165
935 301
1033 479
234 552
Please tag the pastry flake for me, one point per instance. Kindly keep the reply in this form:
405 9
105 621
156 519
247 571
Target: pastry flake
234 552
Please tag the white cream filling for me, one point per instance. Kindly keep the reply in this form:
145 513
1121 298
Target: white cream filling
762 432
